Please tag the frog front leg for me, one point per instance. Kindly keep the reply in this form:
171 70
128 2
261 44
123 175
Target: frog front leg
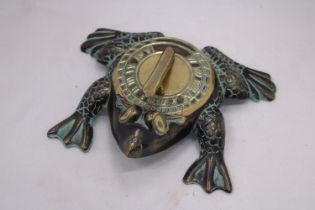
77 129
209 170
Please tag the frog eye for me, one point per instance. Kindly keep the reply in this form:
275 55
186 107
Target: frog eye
157 122
130 114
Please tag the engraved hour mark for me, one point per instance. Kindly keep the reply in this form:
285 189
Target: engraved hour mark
195 87
193 62
148 50
135 89
130 81
130 69
197 73
139 56
143 53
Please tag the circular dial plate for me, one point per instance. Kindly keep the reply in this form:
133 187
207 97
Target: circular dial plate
187 86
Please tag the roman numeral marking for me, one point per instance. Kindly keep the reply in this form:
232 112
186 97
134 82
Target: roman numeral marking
130 81
195 87
139 56
197 73
193 62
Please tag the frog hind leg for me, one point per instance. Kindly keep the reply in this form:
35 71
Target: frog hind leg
240 81
76 130
209 170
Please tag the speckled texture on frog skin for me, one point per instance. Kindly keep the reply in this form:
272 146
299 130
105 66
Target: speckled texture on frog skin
115 42
233 80
239 81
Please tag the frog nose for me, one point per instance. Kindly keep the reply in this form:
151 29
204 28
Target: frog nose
133 146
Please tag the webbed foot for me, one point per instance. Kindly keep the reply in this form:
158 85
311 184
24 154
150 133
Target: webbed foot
210 172
75 130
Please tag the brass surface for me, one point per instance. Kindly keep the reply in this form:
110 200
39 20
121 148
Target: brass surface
187 87
180 72
157 76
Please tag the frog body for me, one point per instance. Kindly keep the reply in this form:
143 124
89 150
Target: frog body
144 125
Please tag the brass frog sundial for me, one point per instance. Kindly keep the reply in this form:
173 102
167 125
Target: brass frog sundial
159 89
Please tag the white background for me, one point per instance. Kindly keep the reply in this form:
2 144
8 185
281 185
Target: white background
269 146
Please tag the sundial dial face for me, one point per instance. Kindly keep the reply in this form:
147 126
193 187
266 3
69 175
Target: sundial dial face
183 77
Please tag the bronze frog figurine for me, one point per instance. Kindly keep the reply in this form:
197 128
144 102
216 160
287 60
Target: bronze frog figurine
159 89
